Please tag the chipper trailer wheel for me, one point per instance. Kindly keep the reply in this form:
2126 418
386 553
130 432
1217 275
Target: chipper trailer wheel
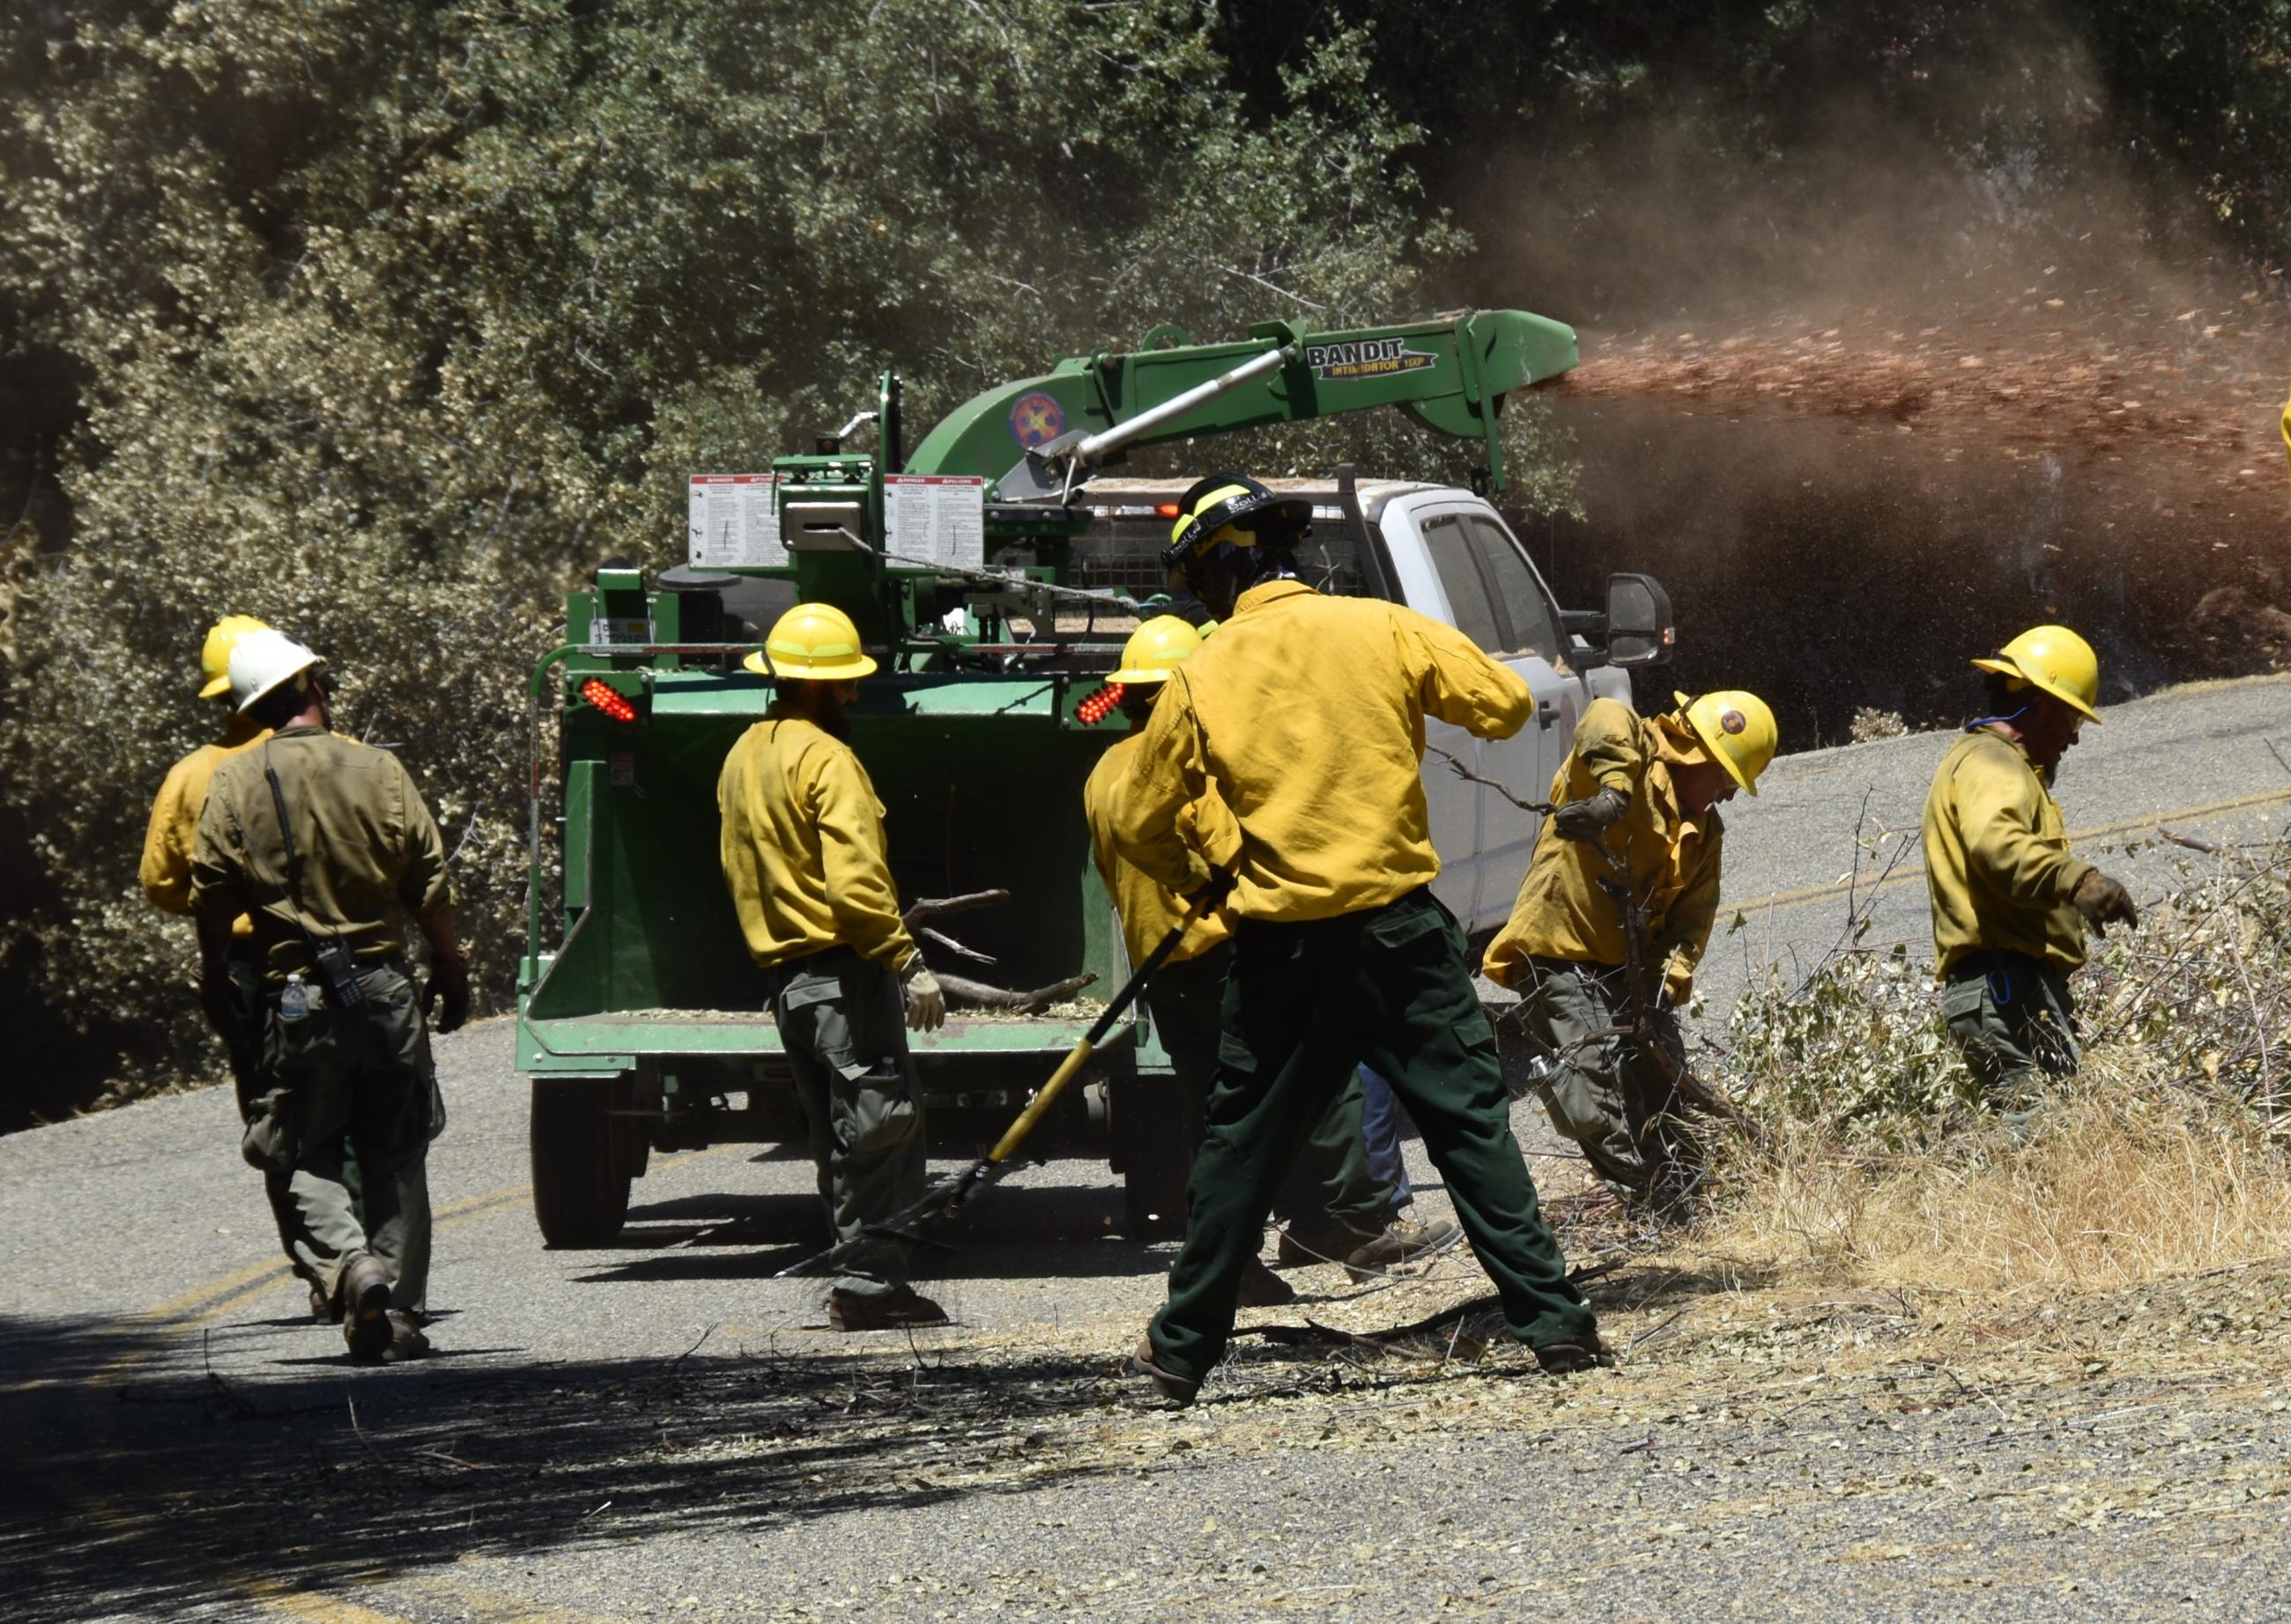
581 1165
1155 1159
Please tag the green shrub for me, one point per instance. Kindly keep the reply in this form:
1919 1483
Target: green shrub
385 322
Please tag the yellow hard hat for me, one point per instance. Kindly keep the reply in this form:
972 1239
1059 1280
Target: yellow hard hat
214 658
813 642
1160 644
1738 729
2056 660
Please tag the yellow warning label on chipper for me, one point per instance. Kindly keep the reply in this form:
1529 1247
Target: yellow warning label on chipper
1368 358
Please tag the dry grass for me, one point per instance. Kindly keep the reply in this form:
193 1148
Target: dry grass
2115 1185
1874 1164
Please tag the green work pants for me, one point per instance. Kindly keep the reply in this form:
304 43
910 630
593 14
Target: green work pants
2014 1020
357 1082
1305 1006
1603 1091
1331 1175
844 1024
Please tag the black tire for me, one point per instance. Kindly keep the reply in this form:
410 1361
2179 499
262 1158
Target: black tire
1157 1157
580 1165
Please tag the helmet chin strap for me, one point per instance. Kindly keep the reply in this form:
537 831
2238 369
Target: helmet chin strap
1984 721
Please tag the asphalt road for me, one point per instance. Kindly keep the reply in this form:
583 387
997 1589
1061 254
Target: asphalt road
663 1430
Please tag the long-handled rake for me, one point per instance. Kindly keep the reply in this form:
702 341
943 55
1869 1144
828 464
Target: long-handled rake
949 1196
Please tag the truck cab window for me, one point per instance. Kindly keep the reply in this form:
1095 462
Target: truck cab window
1534 627
1121 550
1450 548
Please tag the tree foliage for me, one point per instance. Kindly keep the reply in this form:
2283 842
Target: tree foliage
384 321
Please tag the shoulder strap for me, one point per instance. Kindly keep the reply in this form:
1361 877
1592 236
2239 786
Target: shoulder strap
291 890
285 830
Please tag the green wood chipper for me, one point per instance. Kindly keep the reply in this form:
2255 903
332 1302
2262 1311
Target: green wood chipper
976 567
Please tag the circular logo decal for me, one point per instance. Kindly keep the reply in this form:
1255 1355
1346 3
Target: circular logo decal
1732 721
1037 419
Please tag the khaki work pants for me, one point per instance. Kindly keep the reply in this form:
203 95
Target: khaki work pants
357 1082
243 1042
844 1024
1602 1091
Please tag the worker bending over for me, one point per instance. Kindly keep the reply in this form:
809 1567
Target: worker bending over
1307 714
803 854
325 842
2010 905
1635 805
1334 1197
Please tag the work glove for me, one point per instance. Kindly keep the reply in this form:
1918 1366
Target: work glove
926 1001
449 977
2103 902
1590 820
1217 887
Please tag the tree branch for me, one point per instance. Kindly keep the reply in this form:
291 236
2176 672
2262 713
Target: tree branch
931 907
960 990
1541 808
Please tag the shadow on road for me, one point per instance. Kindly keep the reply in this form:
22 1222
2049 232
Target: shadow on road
143 1482
1039 1232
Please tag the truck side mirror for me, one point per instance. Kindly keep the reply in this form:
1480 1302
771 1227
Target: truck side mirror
1639 630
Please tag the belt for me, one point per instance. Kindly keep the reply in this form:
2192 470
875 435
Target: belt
826 960
396 961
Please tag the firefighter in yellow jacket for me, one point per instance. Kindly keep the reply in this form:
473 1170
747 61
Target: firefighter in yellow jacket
2010 905
1306 713
165 871
803 854
1333 1195
1642 793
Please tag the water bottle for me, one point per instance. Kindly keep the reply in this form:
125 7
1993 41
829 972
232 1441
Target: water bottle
294 1002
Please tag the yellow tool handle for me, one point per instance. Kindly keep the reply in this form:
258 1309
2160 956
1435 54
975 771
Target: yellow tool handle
1040 1103
1196 904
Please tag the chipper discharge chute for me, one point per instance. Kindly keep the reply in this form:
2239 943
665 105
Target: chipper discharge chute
969 568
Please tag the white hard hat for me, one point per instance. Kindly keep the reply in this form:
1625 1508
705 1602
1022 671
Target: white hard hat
264 660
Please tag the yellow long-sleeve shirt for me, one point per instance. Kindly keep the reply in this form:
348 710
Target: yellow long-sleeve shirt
1673 860
1997 867
173 833
1147 910
1305 715
802 847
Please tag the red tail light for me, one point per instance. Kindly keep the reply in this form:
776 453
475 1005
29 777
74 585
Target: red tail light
1095 708
1168 510
601 697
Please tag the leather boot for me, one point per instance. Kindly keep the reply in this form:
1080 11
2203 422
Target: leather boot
365 1298
897 1309
405 1338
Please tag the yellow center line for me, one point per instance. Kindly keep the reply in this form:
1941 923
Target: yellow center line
1913 869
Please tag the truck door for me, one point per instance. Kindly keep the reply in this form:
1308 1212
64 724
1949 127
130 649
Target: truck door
1494 597
1454 804
1527 761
